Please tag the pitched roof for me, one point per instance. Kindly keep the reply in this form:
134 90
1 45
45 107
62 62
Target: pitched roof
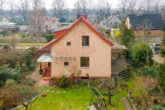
155 20
111 16
102 36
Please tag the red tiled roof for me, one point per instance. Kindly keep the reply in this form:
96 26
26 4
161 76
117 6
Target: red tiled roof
103 37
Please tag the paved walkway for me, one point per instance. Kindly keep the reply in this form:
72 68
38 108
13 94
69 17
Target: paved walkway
36 75
158 58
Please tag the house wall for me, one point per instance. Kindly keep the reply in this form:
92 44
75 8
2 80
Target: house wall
127 23
114 21
51 24
98 51
153 33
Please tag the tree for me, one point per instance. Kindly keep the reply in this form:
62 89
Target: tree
162 48
146 26
132 5
161 75
58 7
123 4
12 40
126 35
12 6
146 6
156 4
104 9
82 6
24 8
36 19
27 94
139 53
2 5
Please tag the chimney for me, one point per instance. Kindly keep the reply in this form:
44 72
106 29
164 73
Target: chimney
82 15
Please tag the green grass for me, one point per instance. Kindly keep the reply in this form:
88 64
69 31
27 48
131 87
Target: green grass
69 100
26 44
75 99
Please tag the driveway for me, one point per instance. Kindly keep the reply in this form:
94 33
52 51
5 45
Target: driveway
158 59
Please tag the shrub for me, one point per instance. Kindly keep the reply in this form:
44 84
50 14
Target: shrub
63 82
30 63
6 47
157 108
12 61
161 75
10 82
162 52
49 37
9 73
149 71
43 94
139 52
29 82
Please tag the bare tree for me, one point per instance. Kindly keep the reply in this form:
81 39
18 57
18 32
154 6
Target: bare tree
104 9
82 6
146 26
59 6
24 7
132 5
36 17
156 5
123 4
2 5
146 6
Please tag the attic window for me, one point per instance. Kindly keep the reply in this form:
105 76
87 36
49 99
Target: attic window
85 40
68 43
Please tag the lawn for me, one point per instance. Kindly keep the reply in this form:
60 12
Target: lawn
78 98
73 98
26 44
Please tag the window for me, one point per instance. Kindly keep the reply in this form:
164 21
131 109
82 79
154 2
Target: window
66 63
68 43
85 40
84 61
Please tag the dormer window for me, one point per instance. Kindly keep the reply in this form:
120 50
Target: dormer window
85 41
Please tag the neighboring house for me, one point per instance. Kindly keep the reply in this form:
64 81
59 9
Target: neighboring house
112 21
4 21
80 50
152 23
50 22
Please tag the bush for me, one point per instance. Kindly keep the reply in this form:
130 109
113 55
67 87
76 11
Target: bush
29 82
9 73
162 52
10 82
49 37
161 75
139 52
12 61
149 71
63 83
6 47
30 64
157 108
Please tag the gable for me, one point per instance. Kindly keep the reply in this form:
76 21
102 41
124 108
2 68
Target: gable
98 34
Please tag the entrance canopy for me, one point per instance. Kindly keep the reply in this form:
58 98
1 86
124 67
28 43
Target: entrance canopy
45 58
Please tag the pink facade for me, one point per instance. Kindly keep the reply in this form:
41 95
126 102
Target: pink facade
67 52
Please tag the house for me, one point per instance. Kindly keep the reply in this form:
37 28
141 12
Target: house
50 22
147 22
4 21
112 21
81 50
